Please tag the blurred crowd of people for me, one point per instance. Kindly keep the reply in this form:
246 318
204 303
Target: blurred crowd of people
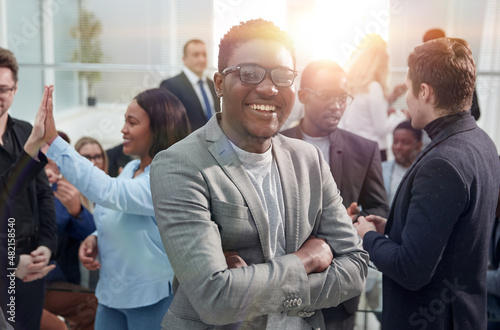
237 226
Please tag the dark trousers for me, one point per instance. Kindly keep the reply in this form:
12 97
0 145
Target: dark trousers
337 318
25 310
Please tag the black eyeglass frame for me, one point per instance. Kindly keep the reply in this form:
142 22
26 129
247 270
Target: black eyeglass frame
232 69
348 100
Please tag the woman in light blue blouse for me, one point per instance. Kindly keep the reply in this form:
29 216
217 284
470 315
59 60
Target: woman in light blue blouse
135 274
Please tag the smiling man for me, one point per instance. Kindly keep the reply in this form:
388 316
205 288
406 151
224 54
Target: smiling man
354 161
252 221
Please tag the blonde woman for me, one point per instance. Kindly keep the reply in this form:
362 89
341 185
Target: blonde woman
91 149
370 114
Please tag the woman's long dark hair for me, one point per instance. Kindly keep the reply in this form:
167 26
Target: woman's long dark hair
168 120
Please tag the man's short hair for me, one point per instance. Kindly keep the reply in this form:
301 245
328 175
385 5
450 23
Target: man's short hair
8 60
417 133
251 30
192 41
309 73
433 34
447 65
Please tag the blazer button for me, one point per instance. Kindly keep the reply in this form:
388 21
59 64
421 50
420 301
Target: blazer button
299 302
287 303
305 314
294 302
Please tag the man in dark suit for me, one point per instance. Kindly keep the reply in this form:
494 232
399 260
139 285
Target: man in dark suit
433 248
195 91
354 161
28 235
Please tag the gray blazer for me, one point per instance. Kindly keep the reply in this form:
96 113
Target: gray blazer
205 204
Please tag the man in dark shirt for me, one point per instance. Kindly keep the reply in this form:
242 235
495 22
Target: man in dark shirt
28 236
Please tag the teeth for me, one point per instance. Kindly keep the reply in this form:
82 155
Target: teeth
263 107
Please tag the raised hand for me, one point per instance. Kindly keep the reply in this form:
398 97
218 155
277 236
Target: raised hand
44 129
36 139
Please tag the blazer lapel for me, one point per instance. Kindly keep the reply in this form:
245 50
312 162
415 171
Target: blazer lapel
225 156
291 195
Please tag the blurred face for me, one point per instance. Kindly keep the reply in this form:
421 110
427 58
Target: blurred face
136 132
253 113
6 95
322 114
196 58
405 147
93 152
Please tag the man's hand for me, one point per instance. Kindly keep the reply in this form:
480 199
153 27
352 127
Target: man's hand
316 255
353 211
233 260
36 139
44 128
22 267
370 223
88 252
378 221
35 265
69 196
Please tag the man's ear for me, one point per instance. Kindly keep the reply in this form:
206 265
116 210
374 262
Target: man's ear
218 80
426 92
302 96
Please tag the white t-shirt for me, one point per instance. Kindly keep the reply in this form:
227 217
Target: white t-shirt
263 172
322 142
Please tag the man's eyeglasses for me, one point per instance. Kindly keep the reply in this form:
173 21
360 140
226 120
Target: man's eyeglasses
5 90
96 158
329 97
254 74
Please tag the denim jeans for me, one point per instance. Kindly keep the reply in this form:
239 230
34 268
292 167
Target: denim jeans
147 317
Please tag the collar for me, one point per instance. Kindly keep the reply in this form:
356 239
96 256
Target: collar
193 77
437 125
10 123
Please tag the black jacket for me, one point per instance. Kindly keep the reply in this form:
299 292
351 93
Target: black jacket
356 167
181 87
26 198
434 259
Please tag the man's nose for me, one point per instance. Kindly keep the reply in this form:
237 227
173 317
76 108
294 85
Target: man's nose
267 86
